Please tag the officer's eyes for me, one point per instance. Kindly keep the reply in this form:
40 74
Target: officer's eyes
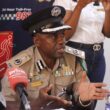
55 35
59 34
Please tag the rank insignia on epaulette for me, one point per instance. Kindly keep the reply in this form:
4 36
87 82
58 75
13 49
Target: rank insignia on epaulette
39 65
75 52
18 60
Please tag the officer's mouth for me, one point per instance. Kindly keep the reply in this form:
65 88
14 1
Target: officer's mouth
61 50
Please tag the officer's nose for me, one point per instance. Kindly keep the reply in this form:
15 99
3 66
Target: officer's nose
60 39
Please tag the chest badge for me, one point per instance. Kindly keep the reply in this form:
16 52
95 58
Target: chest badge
64 71
17 61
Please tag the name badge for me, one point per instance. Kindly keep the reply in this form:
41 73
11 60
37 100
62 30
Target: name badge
36 81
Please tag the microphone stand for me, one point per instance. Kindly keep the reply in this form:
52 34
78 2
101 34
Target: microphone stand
25 105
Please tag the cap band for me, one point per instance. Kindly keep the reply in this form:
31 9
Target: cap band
56 29
44 24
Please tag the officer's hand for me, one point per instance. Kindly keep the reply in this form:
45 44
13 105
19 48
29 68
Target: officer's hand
91 91
83 3
51 101
106 5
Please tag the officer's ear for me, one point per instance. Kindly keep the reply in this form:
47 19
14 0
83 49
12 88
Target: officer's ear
36 39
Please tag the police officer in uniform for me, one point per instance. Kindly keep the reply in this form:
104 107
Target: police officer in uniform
56 79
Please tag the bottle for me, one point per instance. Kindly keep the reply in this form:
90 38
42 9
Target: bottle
107 104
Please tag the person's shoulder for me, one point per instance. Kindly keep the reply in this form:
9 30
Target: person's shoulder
21 58
71 56
76 57
75 52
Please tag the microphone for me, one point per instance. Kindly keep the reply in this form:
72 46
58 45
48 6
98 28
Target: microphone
18 81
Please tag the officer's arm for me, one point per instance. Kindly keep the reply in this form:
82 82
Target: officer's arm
48 102
80 68
36 105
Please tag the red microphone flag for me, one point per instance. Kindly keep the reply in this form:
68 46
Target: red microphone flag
17 76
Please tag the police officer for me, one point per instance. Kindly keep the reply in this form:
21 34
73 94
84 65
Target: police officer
56 79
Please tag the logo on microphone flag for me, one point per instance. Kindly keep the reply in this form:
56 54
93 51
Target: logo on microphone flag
16 76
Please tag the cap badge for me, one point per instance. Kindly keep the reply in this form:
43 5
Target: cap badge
56 11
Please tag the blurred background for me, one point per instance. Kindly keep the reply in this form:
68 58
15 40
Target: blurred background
101 104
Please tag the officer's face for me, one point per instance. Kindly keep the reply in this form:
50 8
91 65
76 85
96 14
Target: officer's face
51 45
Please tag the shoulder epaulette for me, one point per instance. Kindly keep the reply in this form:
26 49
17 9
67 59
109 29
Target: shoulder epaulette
19 59
75 52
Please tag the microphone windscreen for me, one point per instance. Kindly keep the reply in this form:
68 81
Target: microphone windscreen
17 76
